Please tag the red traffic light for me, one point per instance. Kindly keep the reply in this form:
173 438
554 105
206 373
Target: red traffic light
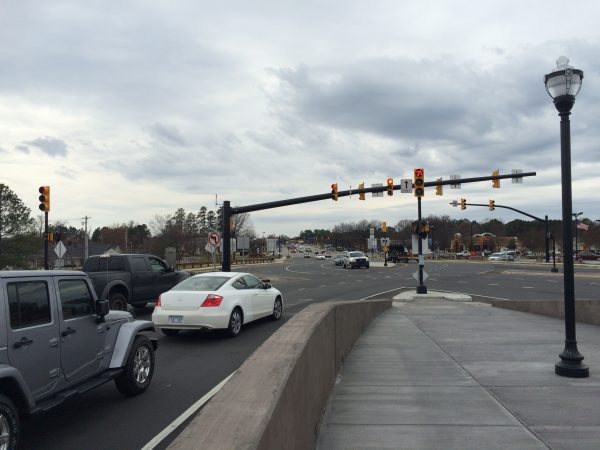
334 186
418 172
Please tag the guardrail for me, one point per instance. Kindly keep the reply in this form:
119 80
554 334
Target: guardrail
276 399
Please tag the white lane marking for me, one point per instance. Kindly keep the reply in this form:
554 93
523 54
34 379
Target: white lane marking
384 292
527 287
297 271
593 284
301 289
461 282
476 295
551 281
299 302
186 414
493 284
342 282
323 285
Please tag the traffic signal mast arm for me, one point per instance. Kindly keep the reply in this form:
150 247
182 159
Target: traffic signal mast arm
507 207
319 197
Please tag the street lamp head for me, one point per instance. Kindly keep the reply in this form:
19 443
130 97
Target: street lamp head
564 81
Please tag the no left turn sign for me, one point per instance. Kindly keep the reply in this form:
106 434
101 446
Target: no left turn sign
214 239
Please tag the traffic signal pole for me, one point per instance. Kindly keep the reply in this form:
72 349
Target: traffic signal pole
46 241
421 288
229 212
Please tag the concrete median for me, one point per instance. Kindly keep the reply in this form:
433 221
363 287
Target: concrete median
277 397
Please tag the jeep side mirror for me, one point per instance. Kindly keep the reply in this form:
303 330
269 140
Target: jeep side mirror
267 286
102 309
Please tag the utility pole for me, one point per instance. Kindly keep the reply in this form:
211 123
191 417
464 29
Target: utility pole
85 236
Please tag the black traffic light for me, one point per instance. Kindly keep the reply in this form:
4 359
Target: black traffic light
390 186
492 205
361 195
44 198
334 192
463 203
419 183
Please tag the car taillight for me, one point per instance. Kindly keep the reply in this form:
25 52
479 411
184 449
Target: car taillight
212 300
157 305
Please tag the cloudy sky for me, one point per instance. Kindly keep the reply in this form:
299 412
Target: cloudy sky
132 109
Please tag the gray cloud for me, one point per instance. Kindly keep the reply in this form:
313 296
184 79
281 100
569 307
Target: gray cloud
50 146
166 134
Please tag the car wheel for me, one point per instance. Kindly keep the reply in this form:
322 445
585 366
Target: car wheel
235 322
118 301
139 368
277 309
169 331
9 424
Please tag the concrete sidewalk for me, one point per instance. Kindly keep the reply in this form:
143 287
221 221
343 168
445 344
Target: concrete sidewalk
440 374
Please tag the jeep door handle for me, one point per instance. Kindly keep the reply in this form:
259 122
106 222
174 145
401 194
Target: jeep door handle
68 331
23 342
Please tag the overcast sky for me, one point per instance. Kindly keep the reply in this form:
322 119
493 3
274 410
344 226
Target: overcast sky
132 109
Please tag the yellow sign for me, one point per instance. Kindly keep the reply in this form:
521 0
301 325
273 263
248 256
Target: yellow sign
386 249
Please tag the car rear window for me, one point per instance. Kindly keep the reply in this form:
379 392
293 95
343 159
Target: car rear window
356 254
201 284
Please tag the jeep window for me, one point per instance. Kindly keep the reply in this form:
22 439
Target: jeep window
91 265
77 301
138 264
29 303
158 265
116 263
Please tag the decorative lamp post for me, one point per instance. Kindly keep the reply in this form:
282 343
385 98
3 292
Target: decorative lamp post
563 84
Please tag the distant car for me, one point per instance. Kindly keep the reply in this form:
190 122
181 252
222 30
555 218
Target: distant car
463 254
355 259
327 255
216 300
586 256
320 256
306 254
501 257
339 260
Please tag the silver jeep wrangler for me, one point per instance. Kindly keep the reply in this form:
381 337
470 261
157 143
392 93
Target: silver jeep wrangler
57 339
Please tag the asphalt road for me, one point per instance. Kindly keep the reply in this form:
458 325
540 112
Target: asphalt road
191 364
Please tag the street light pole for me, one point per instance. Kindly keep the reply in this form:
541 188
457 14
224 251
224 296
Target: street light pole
563 84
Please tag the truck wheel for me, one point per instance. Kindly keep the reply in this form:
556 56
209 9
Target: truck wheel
118 301
139 368
9 424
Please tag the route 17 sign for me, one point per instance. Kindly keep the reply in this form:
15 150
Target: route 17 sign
214 239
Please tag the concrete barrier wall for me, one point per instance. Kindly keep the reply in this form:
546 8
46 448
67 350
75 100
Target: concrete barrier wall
586 311
277 397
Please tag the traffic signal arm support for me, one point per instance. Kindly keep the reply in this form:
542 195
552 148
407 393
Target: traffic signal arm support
507 207
319 197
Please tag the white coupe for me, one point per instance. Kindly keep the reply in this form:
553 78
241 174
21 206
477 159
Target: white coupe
216 300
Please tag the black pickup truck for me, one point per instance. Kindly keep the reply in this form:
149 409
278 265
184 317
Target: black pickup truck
131 278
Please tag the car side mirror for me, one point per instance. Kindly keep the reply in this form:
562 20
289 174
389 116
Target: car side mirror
267 286
102 309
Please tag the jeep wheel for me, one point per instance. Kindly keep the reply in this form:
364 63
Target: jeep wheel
139 368
9 424
235 322
118 301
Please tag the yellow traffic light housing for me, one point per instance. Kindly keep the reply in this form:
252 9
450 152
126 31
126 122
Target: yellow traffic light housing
439 189
463 203
419 182
492 205
384 227
390 186
361 195
334 192
44 198
496 183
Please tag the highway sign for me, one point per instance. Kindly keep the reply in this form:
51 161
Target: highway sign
60 249
213 238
